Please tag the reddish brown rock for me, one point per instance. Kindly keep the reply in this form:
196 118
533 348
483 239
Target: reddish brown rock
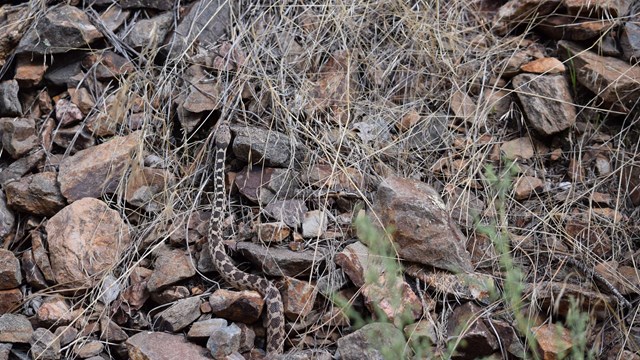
597 9
33 275
170 267
67 113
478 338
522 12
55 310
37 194
554 340
18 135
354 261
526 186
548 65
298 297
10 276
275 232
520 148
107 65
97 170
243 306
424 232
15 329
44 345
145 188
569 28
82 99
631 182
29 71
85 239
180 315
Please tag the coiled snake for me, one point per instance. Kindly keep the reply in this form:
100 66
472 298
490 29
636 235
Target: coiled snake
229 272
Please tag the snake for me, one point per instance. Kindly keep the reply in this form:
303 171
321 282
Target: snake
223 264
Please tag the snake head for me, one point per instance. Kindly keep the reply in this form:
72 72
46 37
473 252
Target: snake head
223 136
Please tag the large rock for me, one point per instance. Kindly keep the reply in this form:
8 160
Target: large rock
423 230
18 135
61 29
86 239
161 346
37 194
10 276
546 101
611 79
97 170
256 145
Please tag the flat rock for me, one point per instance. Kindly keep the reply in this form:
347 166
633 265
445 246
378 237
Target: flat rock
29 71
107 65
180 315
170 268
281 262
54 310
527 186
149 32
9 101
203 329
476 286
267 184
370 342
85 239
15 328
291 212
257 145
597 9
547 65
314 224
37 194
298 298
479 338
424 232
242 306
145 187
18 136
224 341
97 170
10 276
163 346
32 274
546 101
61 29
612 80
44 345
88 349
10 300
553 339
517 12
630 41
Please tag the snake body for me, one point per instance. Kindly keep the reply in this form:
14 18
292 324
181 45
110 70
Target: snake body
221 261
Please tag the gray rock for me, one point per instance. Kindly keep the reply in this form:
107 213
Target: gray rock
62 73
61 29
9 102
170 267
204 328
546 101
280 261
179 315
152 4
20 167
256 145
224 341
10 275
44 345
37 194
478 338
290 212
148 33
376 341
15 329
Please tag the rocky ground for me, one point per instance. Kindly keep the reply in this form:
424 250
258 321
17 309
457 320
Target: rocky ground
496 142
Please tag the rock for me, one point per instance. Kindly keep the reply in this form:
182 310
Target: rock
526 186
275 232
152 4
44 345
463 105
371 342
55 311
204 328
145 187
82 99
33 275
282 262
5 350
88 349
247 338
291 212
204 24
517 12
203 93
437 241
111 332
224 341
21 166
478 337
557 297
267 184
10 276
62 74
548 65
14 21
7 220
630 42
601 75
520 148
97 170
599 9
568 28
170 267
257 145
137 294
41 256
107 65
553 339
67 334
242 306
179 315
546 101
333 86
314 224
74 138
113 17
162 346
298 298
68 113
392 296
10 300
85 239
61 29
421 331
15 328
476 286
29 71
37 194
148 33
9 101
18 136
354 261
465 207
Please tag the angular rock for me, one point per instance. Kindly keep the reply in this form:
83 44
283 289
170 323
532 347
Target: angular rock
107 65
291 212
204 328
422 330
55 311
15 329
148 33
21 166
224 341
67 334
257 145
548 65
630 42
61 29
267 184
205 23
97 170
44 345
179 315
554 340
14 21
37 194
10 300
62 74
613 80
424 232
392 296
282 262
569 28
10 276
9 101
477 287
597 9
18 136
82 99
114 16
29 71
242 306
145 187
33 275
7 220
163 346
152 4
68 113
546 101
170 267
111 332
478 338
371 342
85 239
41 256
314 224
298 298
526 186
88 349
522 12
275 232
520 148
